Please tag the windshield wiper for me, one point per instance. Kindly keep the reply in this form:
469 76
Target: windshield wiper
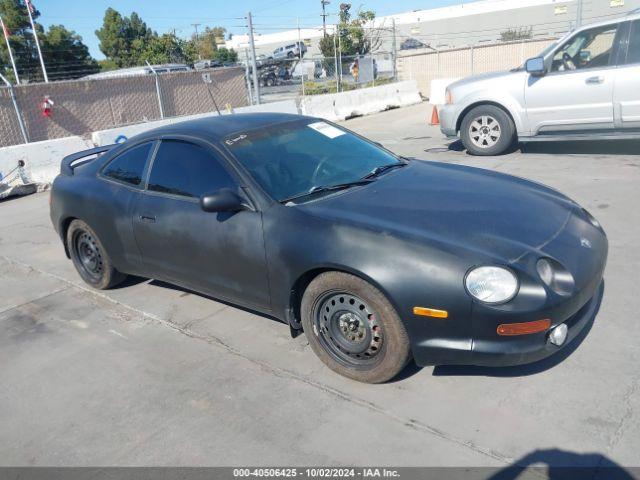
383 168
328 188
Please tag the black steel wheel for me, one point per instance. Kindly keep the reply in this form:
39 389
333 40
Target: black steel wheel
90 258
348 328
353 329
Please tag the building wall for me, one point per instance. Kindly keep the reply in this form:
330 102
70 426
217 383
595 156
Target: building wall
470 23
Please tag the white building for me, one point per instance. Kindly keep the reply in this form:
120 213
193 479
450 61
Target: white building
459 25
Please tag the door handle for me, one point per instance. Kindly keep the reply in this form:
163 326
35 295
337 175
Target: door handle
148 218
595 80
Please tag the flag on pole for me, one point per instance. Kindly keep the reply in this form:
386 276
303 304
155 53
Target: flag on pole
5 30
30 6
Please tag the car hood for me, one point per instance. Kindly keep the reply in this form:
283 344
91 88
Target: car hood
499 215
481 78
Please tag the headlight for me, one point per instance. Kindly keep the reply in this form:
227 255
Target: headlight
555 276
491 284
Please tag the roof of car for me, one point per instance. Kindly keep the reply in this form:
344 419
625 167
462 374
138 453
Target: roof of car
219 127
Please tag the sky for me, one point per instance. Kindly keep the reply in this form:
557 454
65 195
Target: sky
85 16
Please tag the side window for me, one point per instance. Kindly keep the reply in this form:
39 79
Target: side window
183 168
588 49
633 52
129 166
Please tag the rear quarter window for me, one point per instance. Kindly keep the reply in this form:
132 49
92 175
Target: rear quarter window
128 167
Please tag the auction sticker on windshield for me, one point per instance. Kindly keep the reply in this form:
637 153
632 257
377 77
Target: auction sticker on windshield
326 129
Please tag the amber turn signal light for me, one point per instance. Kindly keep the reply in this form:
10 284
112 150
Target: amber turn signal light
525 328
430 312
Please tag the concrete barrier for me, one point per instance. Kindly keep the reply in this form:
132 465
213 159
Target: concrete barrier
42 159
365 101
116 135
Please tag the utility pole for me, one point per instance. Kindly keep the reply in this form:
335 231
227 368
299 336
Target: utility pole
394 51
324 16
195 26
35 36
254 64
579 5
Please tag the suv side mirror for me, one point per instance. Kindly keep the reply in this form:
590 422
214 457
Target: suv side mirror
535 66
224 200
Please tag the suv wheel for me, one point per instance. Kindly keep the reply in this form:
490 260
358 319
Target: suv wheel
487 130
353 329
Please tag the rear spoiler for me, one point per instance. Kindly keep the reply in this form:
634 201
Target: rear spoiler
66 167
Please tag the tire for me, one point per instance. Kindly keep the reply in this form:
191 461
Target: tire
482 125
90 258
379 347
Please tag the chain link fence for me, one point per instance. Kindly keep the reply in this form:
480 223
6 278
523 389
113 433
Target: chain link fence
425 65
80 107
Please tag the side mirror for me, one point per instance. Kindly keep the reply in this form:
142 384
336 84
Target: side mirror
535 66
224 200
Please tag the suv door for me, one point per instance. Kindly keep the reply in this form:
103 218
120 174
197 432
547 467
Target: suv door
217 253
626 90
577 92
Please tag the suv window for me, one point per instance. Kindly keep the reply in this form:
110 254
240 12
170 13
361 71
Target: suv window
187 169
588 49
129 166
633 52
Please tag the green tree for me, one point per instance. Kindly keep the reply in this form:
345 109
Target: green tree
207 42
353 37
168 48
14 14
226 55
65 55
124 39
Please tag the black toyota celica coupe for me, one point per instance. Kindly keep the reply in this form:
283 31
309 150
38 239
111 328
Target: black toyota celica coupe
377 258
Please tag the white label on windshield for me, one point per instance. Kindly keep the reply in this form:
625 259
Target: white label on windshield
326 129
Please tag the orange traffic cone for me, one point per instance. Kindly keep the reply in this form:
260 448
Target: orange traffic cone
435 118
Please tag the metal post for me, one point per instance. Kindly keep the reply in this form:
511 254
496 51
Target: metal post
254 65
35 35
579 13
339 61
472 59
300 55
324 16
247 75
394 51
13 63
15 105
195 26
158 92
335 59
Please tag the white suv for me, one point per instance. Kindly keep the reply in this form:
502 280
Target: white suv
586 86
294 50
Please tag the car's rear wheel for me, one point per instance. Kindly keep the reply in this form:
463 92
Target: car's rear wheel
487 130
353 329
90 258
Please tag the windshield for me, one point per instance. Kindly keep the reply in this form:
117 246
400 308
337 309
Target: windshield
294 158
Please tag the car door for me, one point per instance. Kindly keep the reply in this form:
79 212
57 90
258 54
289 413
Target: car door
221 254
626 90
123 183
577 92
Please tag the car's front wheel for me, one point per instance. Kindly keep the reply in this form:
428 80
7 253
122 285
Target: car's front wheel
487 130
353 329
90 258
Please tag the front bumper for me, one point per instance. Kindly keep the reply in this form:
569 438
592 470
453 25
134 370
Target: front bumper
448 118
532 348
